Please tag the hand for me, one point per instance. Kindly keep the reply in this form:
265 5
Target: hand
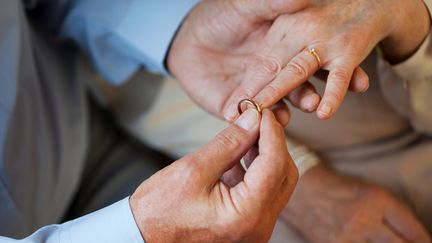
340 209
209 54
343 33
187 201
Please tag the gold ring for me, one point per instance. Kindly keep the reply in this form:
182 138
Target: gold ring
315 54
248 101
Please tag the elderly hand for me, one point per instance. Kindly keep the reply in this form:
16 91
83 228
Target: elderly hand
209 54
188 202
340 209
343 33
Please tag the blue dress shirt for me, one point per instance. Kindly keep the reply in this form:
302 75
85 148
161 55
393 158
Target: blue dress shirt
43 109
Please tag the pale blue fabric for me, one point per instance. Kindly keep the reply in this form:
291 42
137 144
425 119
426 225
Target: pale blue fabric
44 109
111 225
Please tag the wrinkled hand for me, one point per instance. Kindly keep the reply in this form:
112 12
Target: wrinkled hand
340 209
209 54
229 50
188 202
343 33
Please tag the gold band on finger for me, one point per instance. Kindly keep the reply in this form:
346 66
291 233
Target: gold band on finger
250 102
315 54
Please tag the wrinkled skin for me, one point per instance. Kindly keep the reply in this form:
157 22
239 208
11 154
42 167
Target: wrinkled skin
342 209
229 50
188 202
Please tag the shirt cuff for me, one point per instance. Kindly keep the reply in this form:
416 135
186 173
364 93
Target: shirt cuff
302 156
114 224
418 66
150 34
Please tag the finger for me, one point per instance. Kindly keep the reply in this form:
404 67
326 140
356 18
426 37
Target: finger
400 218
233 176
360 81
268 171
262 69
282 113
227 148
335 91
296 72
251 155
305 97
384 235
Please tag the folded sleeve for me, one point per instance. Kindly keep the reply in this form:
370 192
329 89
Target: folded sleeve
408 85
303 157
113 224
121 36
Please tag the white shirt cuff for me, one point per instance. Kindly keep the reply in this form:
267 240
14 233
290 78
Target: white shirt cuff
112 224
302 156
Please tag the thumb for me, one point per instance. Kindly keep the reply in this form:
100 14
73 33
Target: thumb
261 10
228 147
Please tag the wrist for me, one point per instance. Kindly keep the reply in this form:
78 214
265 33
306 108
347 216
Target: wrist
145 226
409 29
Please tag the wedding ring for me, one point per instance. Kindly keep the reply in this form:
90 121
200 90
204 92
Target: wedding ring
248 102
315 54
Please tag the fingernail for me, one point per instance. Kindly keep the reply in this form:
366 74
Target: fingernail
366 87
248 120
310 103
325 110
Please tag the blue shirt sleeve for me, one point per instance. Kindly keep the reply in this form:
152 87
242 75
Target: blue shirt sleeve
113 224
121 36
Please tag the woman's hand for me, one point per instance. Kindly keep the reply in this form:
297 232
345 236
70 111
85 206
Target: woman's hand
341 209
209 54
342 33
188 202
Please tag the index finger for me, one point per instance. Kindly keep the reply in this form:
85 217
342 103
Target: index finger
265 176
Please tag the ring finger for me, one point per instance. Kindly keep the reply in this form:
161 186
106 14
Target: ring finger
296 72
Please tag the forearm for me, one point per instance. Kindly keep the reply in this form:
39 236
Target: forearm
412 25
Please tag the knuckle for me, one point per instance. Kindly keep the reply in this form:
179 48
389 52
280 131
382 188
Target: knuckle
274 91
248 92
190 168
298 68
231 140
341 76
266 65
335 95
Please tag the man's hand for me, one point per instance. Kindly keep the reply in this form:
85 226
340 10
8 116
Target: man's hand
330 208
188 202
